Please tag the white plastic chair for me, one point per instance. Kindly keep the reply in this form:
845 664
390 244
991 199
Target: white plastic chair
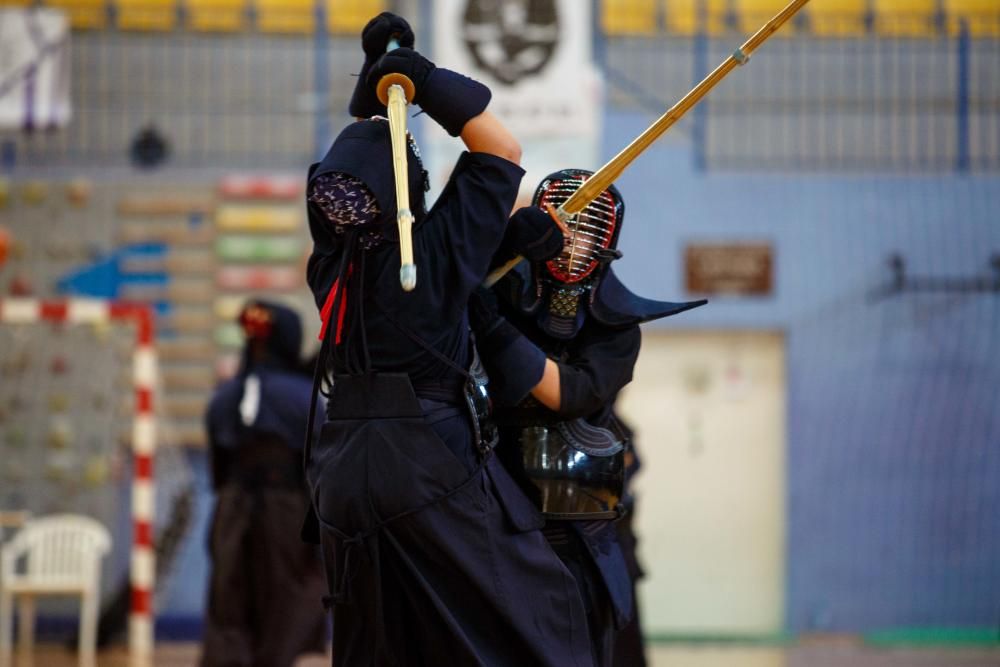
54 555
12 521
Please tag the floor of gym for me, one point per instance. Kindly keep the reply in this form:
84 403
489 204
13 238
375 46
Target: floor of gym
840 653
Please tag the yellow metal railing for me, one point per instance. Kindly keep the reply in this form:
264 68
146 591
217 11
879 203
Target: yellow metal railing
268 16
912 18
836 18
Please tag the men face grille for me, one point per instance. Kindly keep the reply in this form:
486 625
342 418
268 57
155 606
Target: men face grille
591 230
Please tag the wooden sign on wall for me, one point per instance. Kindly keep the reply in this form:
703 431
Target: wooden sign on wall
731 268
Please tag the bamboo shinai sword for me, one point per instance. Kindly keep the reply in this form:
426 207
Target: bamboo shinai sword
609 173
395 91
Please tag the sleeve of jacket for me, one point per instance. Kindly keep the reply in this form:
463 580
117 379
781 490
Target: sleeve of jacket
513 363
469 218
219 458
598 366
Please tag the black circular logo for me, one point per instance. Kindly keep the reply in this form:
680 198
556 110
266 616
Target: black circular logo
511 39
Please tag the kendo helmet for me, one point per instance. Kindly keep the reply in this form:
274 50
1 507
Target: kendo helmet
363 151
593 232
274 329
567 280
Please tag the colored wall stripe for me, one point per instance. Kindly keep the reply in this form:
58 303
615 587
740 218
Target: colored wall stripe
244 248
259 277
227 307
229 335
258 218
261 187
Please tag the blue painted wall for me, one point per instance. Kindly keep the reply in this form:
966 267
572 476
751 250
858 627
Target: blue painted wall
183 599
894 403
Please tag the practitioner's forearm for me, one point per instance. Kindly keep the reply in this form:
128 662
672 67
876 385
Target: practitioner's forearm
486 134
547 391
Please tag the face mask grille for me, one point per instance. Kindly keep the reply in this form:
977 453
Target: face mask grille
590 231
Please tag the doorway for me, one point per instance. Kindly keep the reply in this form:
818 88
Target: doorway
708 409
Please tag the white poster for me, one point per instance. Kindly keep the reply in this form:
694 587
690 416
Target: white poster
536 58
34 69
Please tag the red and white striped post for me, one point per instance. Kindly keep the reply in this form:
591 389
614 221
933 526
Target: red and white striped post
142 571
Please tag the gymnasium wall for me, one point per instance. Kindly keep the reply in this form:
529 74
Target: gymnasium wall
893 419
843 153
893 408
893 484
893 415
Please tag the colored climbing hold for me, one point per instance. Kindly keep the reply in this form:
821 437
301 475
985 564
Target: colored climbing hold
258 249
59 365
4 245
259 278
58 402
253 186
34 192
17 249
78 191
17 363
259 218
14 471
95 471
229 336
226 366
60 434
20 286
15 436
101 330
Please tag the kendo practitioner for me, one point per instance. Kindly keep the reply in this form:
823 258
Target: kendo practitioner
265 587
434 555
629 650
559 340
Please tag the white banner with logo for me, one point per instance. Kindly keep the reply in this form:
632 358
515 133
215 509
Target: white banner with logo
536 57
34 69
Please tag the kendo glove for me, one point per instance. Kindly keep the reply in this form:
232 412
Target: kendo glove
513 363
449 98
532 234
375 40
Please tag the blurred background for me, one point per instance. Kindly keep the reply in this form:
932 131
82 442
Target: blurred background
820 445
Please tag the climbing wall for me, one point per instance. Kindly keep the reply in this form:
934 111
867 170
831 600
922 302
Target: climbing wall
193 251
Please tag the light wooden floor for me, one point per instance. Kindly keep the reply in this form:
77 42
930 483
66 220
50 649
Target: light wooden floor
835 654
